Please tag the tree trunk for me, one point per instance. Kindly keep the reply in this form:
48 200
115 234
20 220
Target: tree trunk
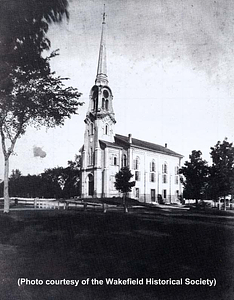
6 187
124 203
7 153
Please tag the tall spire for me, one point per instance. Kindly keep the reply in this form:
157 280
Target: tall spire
101 78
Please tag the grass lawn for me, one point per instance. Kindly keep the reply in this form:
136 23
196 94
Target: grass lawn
79 245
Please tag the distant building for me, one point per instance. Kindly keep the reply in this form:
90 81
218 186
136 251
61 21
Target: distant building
155 167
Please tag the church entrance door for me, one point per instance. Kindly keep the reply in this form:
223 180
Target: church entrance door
153 195
90 185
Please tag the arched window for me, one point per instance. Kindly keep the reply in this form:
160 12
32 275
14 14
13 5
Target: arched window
107 104
136 163
114 160
92 128
106 129
165 168
90 185
152 166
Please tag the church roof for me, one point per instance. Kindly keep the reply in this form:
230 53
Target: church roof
145 145
110 144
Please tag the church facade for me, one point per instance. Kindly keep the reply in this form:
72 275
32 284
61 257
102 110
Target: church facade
155 168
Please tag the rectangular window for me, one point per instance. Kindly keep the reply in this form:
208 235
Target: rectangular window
177 180
137 176
164 178
152 195
152 177
112 183
136 164
137 192
164 194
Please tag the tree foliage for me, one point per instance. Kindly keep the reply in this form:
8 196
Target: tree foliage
66 180
195 172
122 180
38 100
222 170
52 183
24 25
15 174
213 181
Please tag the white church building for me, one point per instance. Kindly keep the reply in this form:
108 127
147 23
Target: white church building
104 153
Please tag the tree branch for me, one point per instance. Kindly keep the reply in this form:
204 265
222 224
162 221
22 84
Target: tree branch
3 143
13 140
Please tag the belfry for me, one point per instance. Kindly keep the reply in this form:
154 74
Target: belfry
155 167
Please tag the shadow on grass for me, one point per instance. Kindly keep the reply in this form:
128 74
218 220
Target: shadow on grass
80 245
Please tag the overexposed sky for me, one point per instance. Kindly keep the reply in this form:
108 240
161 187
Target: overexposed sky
170 67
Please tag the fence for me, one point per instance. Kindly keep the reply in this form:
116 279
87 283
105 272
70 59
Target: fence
42 203
34 203
211 203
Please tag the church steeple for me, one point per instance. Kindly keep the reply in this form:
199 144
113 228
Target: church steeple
100 118
101 78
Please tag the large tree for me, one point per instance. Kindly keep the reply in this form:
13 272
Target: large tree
123 183
222 170
195 172
67 181
24 24
30 94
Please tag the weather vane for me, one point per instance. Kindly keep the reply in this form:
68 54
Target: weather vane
104 15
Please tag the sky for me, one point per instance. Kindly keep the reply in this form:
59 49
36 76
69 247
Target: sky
170 68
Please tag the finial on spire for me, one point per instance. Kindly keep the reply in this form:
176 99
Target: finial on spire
104 15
